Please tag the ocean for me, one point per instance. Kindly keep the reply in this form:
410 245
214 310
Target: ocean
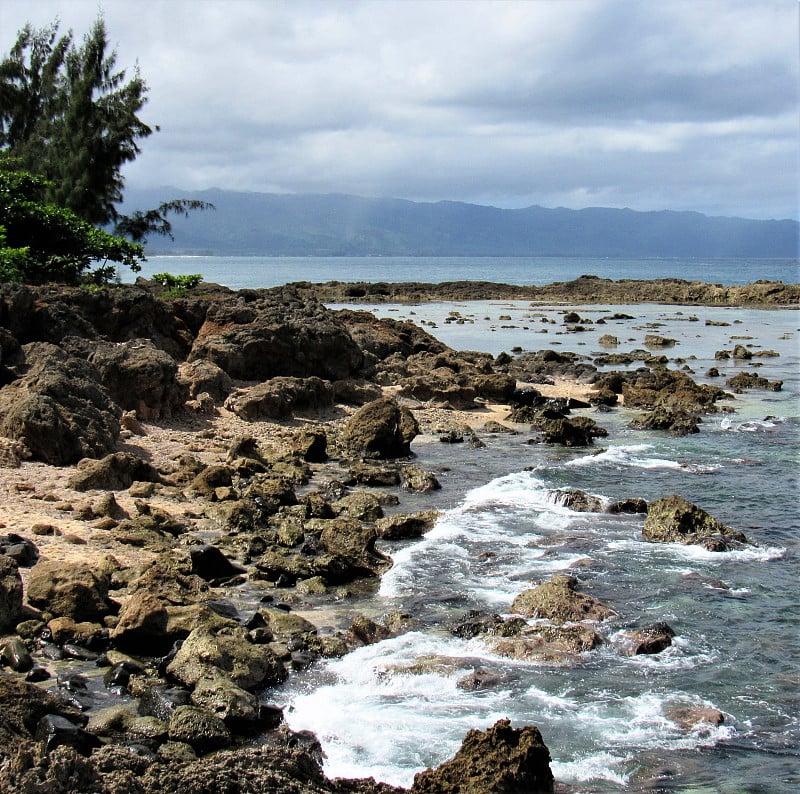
261 271
394 708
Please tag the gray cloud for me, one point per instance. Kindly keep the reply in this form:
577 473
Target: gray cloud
677 104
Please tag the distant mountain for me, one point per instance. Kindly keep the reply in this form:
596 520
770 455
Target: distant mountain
270 224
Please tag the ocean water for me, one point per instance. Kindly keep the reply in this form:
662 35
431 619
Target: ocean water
394 708
260 271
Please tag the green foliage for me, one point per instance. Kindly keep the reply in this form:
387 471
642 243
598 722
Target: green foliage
68 114
41 242
177 286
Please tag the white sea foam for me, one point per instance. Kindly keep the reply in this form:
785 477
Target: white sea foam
750 425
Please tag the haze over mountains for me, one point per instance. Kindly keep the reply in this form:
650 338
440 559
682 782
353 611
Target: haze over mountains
269 224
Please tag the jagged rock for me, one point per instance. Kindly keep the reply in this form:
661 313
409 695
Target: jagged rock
68 589
280 397
203 731
406 526
415 479
578 432
673 519
752 380
205 377
559 601
229 649
161 702
311 445
663 387
115 472
361 505
276 332
579 501
140 377
21 550
219 696
676 422
500 759
355 543
367 474
555 644
741 353
58 409
210 479
473 624
381 429
630 505
10 593
647 640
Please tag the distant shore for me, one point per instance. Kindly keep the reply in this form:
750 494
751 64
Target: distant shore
585 289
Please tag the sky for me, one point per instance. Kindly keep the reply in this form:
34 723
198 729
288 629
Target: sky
647 104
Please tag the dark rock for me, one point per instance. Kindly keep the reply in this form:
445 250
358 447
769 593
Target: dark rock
54 731
205 732
115 472
496 387
473 624
656 340
140 377
650 639
14 653
355 392
579 501
367 474
675 422
361 505
500 759
559 601
479 680
161 702
381 429
311 445
10 593
58 409
210 479
630 505
673 519
21 550
751 380
237 708
277 333
209 563
368 632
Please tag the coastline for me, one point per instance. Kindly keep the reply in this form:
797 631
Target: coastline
37 495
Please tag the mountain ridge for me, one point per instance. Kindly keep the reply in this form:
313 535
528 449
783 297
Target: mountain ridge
336 224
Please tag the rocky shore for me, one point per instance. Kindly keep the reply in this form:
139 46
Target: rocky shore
186 481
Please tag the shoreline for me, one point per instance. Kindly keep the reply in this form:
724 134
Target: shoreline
181 440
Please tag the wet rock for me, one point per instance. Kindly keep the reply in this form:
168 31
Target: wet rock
115 472
473 624
204 732
54 731
404 526
691 717
578 432
751 380
14 653
381 429
650 639
630 505
500 759
479 680
10 593
559 601
68 589
355 543
579 501
58 409
673 519
209 563
280 397
675 422
228 648
415 479
656 340
161 702
219 696
555 644
66 630
368 632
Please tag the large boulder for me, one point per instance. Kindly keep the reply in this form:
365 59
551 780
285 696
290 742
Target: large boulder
68 589
140 377
559 600
380 429
673 519
230 650
58 408
203 376
280 397
500 760
276 332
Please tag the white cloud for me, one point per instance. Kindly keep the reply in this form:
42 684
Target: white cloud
675 104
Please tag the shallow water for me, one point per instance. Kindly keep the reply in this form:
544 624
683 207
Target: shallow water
394 708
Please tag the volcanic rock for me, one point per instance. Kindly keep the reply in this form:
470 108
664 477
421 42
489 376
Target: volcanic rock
381 429
559 601
673 519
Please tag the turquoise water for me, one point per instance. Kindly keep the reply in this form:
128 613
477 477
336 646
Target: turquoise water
604 717
253 272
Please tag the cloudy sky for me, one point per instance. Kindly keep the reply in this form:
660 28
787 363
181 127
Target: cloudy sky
685 105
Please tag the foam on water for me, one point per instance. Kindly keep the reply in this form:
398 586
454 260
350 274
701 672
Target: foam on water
628 456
